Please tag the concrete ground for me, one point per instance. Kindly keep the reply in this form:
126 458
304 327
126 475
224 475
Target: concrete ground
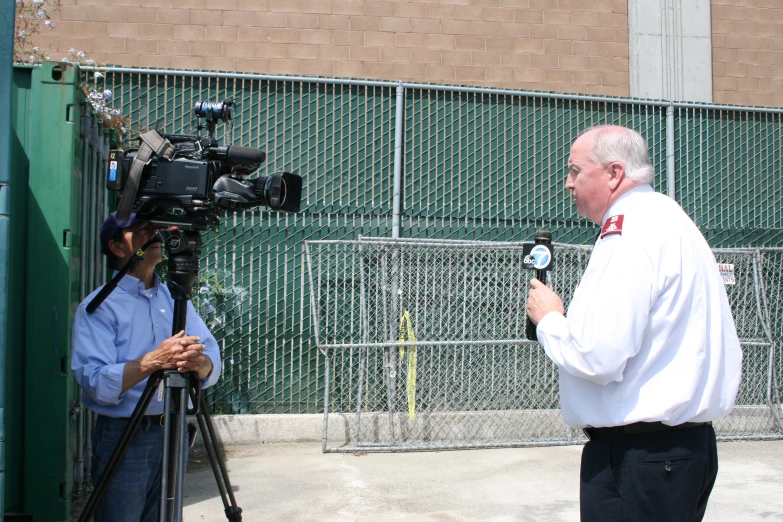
296 482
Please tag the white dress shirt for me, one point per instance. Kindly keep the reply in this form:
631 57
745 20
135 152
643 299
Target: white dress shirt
649 334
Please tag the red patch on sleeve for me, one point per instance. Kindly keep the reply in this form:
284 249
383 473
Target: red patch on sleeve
613 225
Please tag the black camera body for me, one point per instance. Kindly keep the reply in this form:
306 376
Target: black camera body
192 185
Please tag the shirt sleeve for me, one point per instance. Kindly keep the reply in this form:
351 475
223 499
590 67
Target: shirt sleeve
608 316
196 326
94 356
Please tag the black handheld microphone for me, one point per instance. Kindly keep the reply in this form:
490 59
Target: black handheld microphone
542 255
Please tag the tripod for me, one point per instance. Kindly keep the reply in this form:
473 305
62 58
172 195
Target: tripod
183 247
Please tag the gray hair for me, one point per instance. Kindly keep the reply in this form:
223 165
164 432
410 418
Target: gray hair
614 143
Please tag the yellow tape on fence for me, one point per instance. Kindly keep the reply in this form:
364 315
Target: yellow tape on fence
407 335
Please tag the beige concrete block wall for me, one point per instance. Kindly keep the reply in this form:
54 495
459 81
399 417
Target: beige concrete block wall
557 45
747 52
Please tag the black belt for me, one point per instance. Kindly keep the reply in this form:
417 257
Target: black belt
153 420
638 427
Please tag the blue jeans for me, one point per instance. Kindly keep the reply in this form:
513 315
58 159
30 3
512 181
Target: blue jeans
134 492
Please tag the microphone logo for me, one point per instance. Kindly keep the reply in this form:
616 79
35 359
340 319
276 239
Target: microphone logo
541 257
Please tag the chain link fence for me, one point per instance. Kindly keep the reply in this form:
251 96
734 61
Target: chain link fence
427 161
425 345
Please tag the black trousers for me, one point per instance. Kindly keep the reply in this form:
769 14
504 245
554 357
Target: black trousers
664 476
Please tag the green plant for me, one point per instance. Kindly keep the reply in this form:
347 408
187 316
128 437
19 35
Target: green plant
32 16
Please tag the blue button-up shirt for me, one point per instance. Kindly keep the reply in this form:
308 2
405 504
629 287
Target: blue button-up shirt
131 322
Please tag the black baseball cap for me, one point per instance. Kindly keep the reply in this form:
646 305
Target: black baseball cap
112 225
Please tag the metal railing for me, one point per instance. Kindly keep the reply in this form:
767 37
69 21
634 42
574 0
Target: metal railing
425 347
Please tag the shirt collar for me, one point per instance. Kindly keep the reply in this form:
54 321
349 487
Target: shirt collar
621 202
134 286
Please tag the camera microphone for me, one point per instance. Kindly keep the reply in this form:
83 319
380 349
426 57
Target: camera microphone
243 155
541 257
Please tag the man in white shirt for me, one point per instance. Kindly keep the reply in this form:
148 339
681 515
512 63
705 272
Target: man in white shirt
648 355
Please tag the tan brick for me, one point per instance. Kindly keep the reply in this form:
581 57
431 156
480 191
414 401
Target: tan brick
271 20
572 5
456 58
410 71
317 37
174 47
762 43
733 98
302 21
756 71
744 56
748 84
318 67
522 4
222 5
586 18
302 52
435 73
396 55
456 27
470 43
557 18
192 4
469 73
614 49
485 28
558 47
486 3
373 39
770 58
735 69
396 25
190 62
514 30
596 34
439 11
426 25
253 34
541 32
253 6
614 78
428 56
253 65
379 70
600 63
587 48
528 75
365 23
543 61
244 50
90 29
621 65
77 13
285 35
587 78
206 48
572 32
517 60
222 34
497 75
125 31
157 60
408 10
409 40
285 66
572 63
173 16
349 69
529 45
500 44
486 59
440 41
365 54
376 8
614 20
141 47
529 16
137 15
766 85
337 54
109 45
190 32
499 14
348 7
347 38
335 22
621 35
558 76
470 13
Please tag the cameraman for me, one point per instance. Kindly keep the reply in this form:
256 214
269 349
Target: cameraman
115 350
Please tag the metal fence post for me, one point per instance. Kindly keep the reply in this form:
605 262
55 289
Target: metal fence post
670 165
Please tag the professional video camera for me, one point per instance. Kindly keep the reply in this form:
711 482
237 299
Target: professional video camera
187 181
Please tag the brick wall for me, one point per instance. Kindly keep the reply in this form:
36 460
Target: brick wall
557 45
747 52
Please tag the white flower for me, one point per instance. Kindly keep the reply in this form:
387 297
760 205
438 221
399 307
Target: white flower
41 13
71 50
97 74
92 62
32 59
107 94
81 54
20 34
65 59
38 1
35 49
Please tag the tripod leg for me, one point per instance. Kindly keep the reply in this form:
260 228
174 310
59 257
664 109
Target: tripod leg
120 449
174 448
233 512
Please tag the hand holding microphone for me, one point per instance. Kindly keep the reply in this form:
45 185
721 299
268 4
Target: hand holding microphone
539 257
